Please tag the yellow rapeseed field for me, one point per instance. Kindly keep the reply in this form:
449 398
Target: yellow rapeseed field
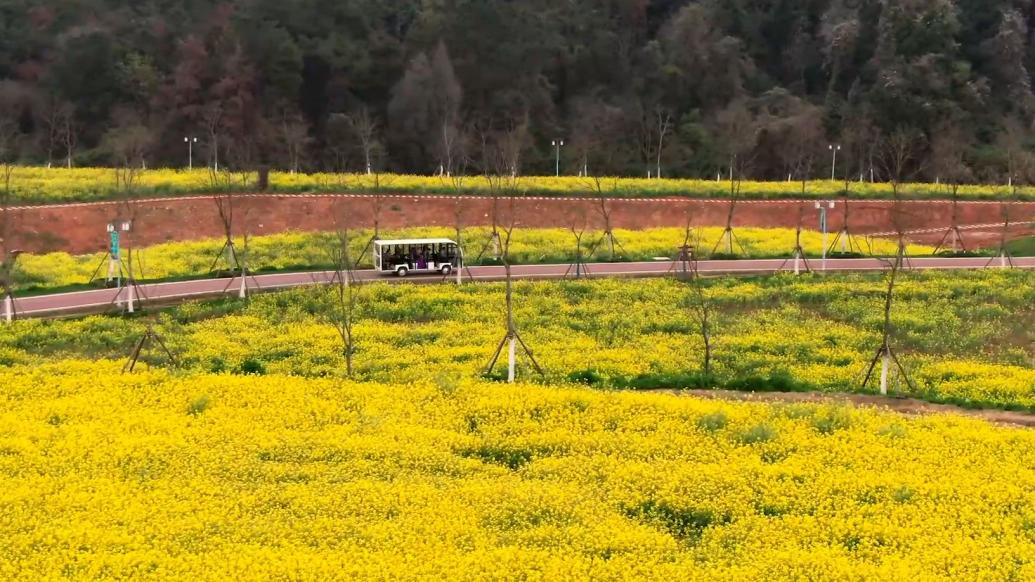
38 185
301 250
214 477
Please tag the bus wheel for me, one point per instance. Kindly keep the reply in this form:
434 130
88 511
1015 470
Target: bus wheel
447 269
401 271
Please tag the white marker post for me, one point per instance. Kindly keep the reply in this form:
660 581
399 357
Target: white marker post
884 364
459 265
511 359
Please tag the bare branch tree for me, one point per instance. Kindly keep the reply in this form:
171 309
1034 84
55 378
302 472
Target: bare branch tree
212 117
603 195
655 127
897 153
295 133
948 147
698 302
342 314
512 338
798 258
225 184
577 225
68 132
1004 256
845 239
148 339
885 354
367 131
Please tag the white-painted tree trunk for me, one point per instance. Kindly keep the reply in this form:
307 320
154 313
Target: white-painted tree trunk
797 263
130 307
8 309
511 359
243 291
884 365
1002 260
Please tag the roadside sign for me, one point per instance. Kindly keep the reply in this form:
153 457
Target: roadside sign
114 249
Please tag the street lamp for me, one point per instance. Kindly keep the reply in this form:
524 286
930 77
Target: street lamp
833 165
557 143
190 141
823 206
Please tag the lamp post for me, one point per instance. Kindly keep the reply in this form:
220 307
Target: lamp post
557 144
823 206
190 141
833 164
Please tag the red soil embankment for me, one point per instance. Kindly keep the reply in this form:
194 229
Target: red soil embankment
79 228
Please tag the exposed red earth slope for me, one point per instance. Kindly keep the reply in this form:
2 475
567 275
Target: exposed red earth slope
79 228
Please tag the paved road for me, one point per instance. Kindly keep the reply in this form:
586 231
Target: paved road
104 299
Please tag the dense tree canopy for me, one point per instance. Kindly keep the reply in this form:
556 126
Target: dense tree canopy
680 87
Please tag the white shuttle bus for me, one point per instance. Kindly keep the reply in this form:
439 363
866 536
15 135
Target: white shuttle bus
424 255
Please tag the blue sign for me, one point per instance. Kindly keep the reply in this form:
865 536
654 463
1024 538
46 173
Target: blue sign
114 250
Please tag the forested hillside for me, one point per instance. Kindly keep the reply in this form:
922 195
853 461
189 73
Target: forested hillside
908 88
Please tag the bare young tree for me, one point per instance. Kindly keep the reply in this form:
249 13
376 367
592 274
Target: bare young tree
1020 170
844 239
456 182
697 302
798 258
728 238
367 131
68 133
1003 254
1011 140
295 134
885 353
512 338
737 130
342 313
578 224
52 115
897 153
948 148
655 127
149 338
603 194
212 118
225 184
461 248
128 144
499 165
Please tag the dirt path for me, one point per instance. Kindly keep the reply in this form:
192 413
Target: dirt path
80 228
908 406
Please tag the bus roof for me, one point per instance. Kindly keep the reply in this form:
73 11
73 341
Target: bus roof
416 241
